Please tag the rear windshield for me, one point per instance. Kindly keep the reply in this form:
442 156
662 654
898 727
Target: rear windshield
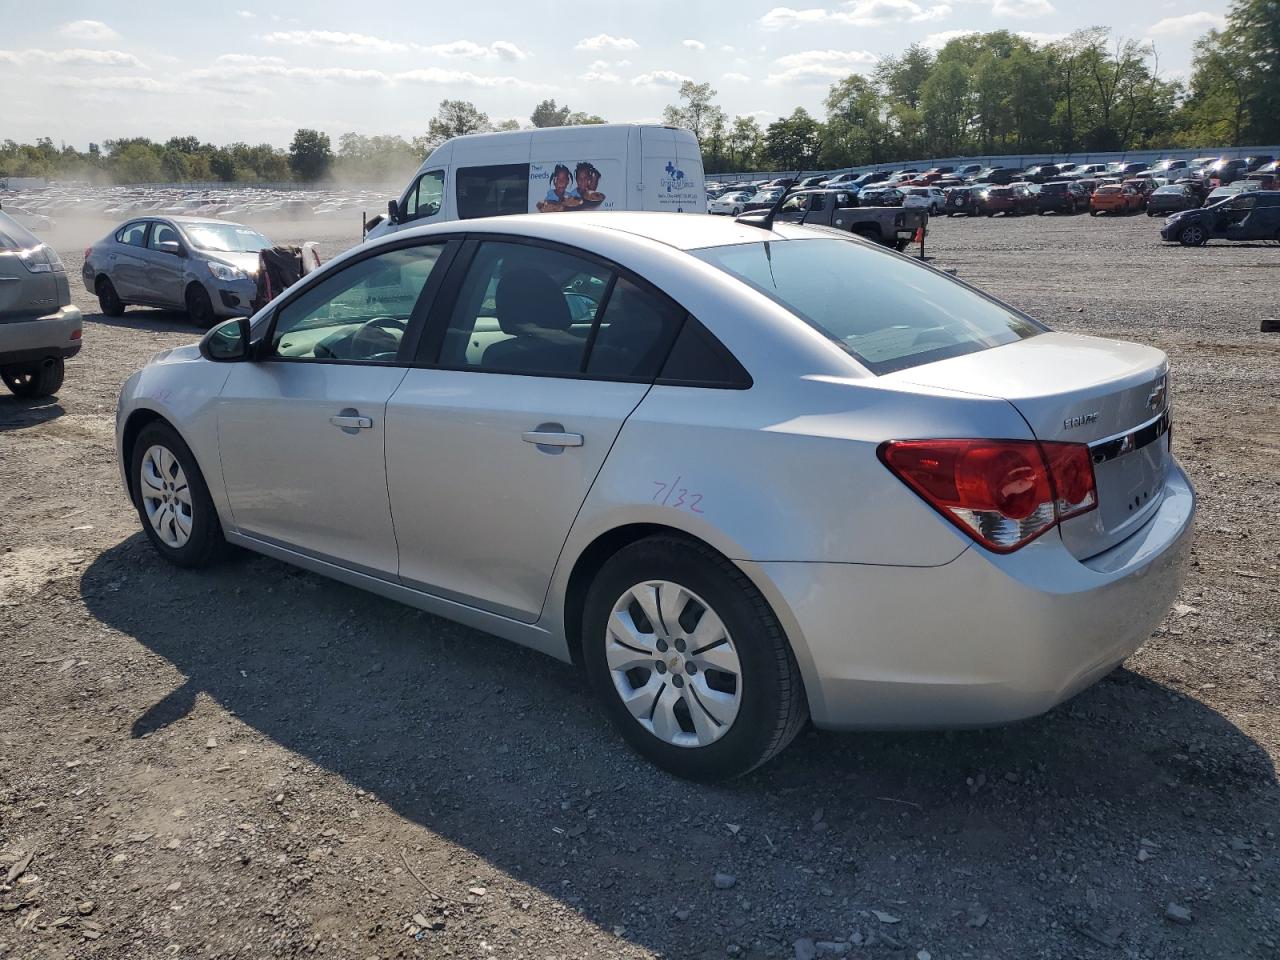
888 312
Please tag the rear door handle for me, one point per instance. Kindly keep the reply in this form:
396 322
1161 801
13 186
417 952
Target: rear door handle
549 439
352 423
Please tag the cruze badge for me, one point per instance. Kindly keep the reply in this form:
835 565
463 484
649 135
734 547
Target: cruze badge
1155 399
1072 422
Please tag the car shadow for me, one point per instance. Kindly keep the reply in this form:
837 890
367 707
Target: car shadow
18 414
148 318
505 752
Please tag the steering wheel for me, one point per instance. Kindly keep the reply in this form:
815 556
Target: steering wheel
375 336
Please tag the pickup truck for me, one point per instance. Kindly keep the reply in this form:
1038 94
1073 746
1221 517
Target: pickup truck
891 226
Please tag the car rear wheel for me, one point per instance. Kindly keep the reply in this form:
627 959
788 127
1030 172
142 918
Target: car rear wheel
109 301
199 306
1193 235
736 211
690 662
30 380
173 500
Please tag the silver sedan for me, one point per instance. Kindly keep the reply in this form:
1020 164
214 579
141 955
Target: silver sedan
743 475
206 267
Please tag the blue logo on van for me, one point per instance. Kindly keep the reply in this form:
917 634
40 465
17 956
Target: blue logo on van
674 175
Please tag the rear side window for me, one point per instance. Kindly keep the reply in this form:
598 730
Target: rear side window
634 333
698 359
134 234
888 312
493 191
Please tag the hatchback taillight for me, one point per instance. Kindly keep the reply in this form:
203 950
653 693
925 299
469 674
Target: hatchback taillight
1003 493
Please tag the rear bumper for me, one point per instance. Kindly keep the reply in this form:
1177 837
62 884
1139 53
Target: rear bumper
984 639
53 335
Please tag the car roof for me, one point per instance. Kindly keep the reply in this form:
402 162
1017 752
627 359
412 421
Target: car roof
682 231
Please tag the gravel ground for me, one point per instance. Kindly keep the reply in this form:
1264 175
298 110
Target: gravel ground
253 762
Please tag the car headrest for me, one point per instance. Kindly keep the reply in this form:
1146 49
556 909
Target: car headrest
527 297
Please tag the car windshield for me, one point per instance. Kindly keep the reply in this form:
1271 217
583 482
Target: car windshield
1109 188
888 312
1053 188
1171 188
225 238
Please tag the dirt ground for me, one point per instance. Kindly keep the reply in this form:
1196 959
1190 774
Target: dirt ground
256 762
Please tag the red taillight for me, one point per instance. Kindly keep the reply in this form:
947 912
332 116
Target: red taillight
76 334
1003 493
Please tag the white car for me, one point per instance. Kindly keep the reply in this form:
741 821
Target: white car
730 203
930 198
745 474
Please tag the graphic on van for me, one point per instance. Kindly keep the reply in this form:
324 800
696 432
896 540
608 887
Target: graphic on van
556 188
676 190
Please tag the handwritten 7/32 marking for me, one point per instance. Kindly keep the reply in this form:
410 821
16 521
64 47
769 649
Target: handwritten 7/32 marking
684 499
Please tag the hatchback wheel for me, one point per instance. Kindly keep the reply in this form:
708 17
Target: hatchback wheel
1193 236
689 660
737 211
30 380
199 306
109 301
172 499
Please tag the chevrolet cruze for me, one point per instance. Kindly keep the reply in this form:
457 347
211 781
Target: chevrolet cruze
745 475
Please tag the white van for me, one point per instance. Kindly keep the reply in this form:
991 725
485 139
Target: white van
610 166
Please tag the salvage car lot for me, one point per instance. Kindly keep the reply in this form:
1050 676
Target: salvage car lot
290 752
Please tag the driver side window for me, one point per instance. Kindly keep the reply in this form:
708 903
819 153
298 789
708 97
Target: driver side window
358 313
424 199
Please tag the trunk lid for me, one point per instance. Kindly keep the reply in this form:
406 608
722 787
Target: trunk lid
1109 394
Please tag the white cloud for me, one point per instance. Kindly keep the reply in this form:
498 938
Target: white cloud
132 84
1021 8
603 41
247 59
88 30
1191 23
660 78
435 76
862 13
97 58
818 66
229 73
1032 36
736 78
936 41
466 49
246 14
331 38
693 44
599 76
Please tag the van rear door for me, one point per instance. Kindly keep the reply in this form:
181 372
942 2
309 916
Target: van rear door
671 170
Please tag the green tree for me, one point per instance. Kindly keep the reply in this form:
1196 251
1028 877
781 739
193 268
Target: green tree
580 118
744 139
547 114
696 111
792 143
455 118
855 132
1255 24
310 155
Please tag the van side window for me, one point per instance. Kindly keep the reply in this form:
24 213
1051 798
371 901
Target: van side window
425 196
493 191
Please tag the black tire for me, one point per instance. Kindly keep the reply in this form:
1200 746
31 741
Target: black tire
109 301
773 708
991 213
199 306
205 544
1193 235
31 380
1093 213
737 211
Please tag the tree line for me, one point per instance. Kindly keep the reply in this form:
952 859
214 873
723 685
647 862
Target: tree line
980 94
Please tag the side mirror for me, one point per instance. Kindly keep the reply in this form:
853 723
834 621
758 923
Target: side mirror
228 342
393 211
172 247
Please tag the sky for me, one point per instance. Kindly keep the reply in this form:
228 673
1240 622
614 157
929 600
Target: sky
237 70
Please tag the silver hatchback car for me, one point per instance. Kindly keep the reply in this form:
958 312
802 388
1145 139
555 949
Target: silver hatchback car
206 267
744 475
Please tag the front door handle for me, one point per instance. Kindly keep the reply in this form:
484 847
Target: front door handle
351 422
550 439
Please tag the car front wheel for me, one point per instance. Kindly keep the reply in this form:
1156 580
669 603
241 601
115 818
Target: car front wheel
691 663
1193 236
172 499
199 306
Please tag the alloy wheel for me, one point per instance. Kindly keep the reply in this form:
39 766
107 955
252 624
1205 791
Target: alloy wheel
166 496
673 664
